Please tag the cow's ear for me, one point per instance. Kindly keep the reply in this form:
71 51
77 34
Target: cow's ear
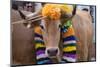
64 17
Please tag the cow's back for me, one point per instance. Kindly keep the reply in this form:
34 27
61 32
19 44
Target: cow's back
82 23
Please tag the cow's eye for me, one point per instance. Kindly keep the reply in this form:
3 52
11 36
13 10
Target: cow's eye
59 25
42 27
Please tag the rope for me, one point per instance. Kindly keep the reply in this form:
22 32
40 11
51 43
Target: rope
27 21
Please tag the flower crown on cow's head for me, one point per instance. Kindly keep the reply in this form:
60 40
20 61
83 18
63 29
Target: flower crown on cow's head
53 11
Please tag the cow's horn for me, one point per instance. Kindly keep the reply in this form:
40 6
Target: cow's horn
74 9
22 15
33 14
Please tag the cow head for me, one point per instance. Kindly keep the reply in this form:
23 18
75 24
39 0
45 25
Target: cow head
51 21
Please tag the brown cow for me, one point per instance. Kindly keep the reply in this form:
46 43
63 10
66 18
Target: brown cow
22 45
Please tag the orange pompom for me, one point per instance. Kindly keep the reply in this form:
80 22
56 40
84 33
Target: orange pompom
52 11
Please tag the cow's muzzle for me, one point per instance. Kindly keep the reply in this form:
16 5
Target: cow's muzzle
52 52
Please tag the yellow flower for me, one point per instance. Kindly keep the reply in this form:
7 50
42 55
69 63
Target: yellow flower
66 8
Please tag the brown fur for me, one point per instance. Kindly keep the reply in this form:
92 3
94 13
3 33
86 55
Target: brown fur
22 42
82 24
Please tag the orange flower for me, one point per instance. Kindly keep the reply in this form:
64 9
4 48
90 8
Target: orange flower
52 11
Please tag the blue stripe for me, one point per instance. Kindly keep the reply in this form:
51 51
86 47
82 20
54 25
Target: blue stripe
39 41
69 38
43 62
38 35
62 61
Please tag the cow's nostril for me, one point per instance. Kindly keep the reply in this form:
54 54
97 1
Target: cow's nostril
56 50
52 52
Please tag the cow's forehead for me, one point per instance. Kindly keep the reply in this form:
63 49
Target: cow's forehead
43 23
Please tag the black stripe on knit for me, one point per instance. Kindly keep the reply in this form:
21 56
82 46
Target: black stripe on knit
65 61
70 52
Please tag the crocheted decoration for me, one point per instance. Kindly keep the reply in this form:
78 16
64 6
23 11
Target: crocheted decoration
69 43
40 48
51 11
66 26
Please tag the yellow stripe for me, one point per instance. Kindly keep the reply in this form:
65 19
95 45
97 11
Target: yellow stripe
39 45
70 48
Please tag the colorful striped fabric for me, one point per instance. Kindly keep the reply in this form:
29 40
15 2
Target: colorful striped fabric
69 43
40 48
